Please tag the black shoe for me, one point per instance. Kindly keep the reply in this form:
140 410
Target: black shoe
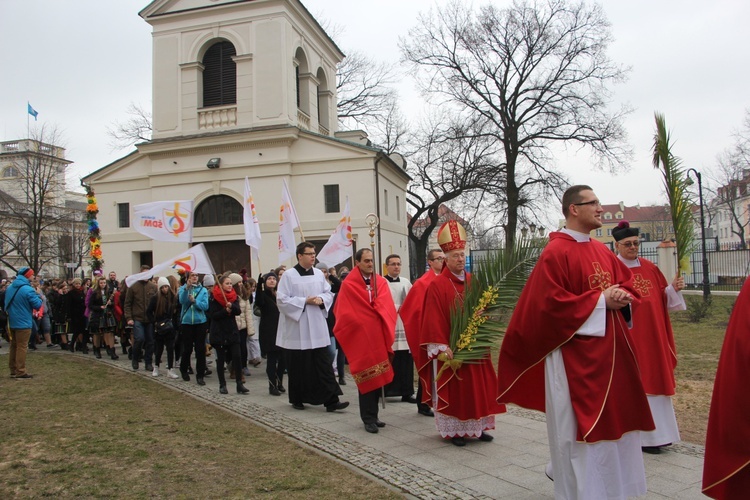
371 428
135 364
298 406
130 353
426 411
337 406
651 450
241 389
97 353
223 389
201 381
149 367
380 423
458 441
190 370
342 381
124 349
409 399
114 354
485 437
185 376
281 388
207 372
273 390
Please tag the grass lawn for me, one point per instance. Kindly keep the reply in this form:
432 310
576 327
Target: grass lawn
83 429
698 349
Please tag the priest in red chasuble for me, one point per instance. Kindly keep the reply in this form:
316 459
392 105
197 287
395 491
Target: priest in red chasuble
463 400
568 352
653 340
411 314
365 328
726 468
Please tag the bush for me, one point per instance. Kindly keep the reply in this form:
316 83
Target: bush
697 308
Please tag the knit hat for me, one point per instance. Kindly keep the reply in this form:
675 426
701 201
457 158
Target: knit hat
26 272
235 278
268 275
208 280
623 230
162 282
452 236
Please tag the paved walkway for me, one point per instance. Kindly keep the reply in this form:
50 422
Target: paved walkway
409 455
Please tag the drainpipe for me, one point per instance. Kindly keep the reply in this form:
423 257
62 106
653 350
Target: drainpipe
377 211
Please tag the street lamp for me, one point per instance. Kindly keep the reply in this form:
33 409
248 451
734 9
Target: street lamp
706 288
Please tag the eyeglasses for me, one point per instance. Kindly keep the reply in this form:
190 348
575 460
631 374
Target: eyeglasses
595 203
631 244
439 259
309 253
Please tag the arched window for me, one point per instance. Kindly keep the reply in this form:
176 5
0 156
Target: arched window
11 171
302 77
219 75
220 210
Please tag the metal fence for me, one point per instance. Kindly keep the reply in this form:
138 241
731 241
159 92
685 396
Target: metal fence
727 269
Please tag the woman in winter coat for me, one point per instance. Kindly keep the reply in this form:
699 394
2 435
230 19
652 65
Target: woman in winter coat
102 318
59 314
223 333
265 301
163 308
75 307
244 320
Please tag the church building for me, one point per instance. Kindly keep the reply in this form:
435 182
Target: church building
246 88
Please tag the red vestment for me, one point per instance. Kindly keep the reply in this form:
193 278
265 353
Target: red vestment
469 393
605 386
653 340
726 465
411 315
365 327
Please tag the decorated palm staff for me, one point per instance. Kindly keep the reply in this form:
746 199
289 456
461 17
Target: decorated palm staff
463 393
365 326
653 340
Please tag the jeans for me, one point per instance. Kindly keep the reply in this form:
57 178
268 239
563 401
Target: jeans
143 335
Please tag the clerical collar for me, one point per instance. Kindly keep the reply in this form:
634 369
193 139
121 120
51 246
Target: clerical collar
576 235
461 276
397 279
366 278
630 263
304 272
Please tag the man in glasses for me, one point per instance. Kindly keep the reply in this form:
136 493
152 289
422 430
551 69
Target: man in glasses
653 340
567 352
411 315
304 298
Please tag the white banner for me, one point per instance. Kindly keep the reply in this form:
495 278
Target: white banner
339 246
250 219
194 259
288 221
165 220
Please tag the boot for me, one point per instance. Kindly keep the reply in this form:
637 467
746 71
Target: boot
113 354
272 389
280 386
98 352
241 389
342 380
124 349
136 353
72 345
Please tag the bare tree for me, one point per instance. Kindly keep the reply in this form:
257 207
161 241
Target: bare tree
33 207
536 73
451 164
363 89
730 186
137 128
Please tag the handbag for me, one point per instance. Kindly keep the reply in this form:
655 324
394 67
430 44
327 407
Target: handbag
164 326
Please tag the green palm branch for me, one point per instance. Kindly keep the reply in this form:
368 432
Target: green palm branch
475 325
676 184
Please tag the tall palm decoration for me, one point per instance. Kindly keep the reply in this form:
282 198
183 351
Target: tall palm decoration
496 284
676 184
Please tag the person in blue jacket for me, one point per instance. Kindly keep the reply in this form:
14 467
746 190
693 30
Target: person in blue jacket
193 299
20 301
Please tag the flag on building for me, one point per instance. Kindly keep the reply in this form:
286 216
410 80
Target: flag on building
194 259
288 221
339 246
31 110
165 220
250 219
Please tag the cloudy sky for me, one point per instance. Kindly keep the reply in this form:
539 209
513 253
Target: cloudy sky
80 63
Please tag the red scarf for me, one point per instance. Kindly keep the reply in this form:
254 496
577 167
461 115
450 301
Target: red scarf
224 298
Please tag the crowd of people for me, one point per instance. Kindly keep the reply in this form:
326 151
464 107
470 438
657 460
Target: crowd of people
590 344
